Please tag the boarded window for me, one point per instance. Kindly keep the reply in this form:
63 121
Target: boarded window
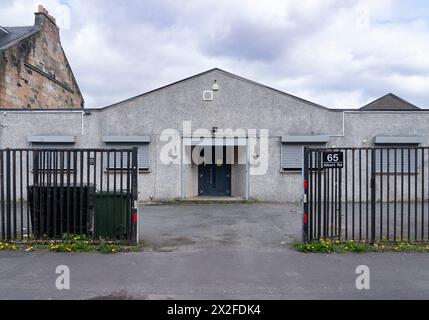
391 160
119 160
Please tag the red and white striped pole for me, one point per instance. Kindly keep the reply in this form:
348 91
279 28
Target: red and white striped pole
305 195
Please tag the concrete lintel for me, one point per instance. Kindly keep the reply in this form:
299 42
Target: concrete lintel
398 140
126 139
52 139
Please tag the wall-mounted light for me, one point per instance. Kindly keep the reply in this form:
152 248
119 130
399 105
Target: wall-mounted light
256 153
215 86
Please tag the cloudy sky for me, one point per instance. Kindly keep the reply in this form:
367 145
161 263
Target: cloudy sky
340 54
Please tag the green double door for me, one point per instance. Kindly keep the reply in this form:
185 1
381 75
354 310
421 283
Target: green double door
214 179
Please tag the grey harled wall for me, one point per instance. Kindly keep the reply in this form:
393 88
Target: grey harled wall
238 104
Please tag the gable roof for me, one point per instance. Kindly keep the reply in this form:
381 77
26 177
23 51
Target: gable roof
3 31
11 35
390 102
225 73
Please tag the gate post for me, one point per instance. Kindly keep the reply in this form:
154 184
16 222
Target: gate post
134 196
8 197
305 195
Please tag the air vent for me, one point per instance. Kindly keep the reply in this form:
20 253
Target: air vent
208 95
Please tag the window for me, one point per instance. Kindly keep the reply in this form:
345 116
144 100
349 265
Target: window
399 148
292 150
292 155
397 159
49 158
114 159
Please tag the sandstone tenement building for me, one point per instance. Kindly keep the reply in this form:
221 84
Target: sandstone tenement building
34 71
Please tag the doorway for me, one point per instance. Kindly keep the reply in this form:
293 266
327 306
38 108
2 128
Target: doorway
214 177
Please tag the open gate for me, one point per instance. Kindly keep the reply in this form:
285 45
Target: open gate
371 194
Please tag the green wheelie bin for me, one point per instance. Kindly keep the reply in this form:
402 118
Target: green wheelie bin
112 214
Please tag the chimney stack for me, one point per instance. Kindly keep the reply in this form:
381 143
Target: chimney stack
42 15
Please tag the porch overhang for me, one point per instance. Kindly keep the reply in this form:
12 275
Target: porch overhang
305 139
215 141
126 139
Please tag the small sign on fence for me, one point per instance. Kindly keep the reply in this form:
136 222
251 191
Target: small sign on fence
333 159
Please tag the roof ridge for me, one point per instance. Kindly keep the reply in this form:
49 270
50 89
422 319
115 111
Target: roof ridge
15 27
224 72
402 100
274 89
409 104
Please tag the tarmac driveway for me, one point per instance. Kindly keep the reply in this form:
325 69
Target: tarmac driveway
215 251
231 226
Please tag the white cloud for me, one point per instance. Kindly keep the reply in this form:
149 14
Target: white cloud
16 13
336 53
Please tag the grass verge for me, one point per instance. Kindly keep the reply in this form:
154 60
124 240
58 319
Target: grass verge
208 201
337 246
71 244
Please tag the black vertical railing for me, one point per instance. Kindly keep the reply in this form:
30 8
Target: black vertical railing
373 194
379 194
48 193
134 195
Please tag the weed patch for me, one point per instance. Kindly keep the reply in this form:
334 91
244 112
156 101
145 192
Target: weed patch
337 246
71 244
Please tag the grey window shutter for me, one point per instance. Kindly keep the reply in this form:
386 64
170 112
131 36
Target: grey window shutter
405 160
143 156
46 159
115 157
291 156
